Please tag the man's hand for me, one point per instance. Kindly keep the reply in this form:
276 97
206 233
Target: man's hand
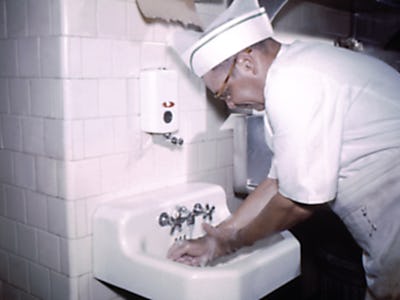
217 242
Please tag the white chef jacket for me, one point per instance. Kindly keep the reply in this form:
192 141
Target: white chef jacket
333 123
330 113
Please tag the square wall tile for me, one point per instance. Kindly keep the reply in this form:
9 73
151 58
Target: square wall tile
112 97
39 17
225 152
81 98
83 179
71 49
49 250
191 91
36 207
4 96
79 17
98 137
6 166
51 58
46 175
114 172
10 292
62 217
39 281
11 132
126 134
3 20
3 267
125 58
46 98
17 16
27 242
111 18
63 287
8 234
74 140
33 135
15 201
133 97
28 57
207 155
153 55
8 58
54 138
19 269
193 126
19 96
25 170
2 201
96 58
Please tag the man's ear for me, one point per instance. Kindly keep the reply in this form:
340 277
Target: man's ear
246 61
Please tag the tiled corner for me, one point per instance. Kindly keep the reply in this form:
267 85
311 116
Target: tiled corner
49 250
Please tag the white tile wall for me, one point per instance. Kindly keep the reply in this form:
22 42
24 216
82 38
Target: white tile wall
70 137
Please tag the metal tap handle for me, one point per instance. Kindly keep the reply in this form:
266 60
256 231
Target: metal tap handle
164 219
198 209
208 212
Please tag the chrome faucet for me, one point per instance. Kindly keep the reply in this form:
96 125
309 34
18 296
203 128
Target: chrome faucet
183 215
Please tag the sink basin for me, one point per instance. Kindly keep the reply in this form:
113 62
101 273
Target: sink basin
129 250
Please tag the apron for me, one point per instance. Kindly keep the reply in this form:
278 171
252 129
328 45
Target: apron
369 205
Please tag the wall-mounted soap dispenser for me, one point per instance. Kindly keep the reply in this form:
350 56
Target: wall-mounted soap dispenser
159 100
159 103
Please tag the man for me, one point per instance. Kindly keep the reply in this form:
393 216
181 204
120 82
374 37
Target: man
333 123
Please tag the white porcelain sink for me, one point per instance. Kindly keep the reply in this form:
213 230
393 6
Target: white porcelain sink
130 250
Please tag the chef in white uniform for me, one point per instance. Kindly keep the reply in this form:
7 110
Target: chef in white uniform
333 123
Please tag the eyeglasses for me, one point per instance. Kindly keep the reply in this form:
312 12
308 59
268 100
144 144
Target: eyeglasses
221 93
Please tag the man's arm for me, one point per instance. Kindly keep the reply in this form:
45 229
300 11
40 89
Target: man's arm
280 213
263 213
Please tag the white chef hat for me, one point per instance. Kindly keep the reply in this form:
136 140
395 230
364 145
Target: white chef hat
243 24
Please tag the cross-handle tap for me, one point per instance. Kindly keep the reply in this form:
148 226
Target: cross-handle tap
182 215
206 211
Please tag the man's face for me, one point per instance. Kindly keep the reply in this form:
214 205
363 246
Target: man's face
237 89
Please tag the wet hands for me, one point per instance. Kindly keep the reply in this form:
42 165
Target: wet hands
218 241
